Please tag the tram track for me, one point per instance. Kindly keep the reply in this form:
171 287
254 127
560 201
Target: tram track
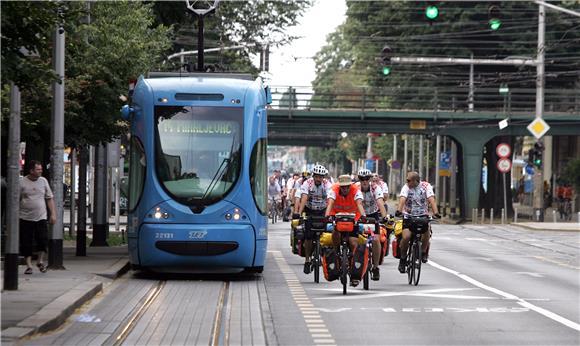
132 321
219 333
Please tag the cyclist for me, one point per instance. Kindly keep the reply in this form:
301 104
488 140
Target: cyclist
313 202
274 193
377 179
373 204
297 194
415 197
564 193
290 191
345 197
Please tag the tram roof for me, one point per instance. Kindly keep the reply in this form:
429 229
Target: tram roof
188 81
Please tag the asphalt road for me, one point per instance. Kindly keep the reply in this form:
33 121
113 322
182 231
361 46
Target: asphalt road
483 285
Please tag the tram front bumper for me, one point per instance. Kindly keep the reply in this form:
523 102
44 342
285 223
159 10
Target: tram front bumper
197 245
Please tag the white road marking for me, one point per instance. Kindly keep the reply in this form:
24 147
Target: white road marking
536 275
520 301
424 293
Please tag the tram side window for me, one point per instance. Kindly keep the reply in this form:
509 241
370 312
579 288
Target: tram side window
258 175
137 164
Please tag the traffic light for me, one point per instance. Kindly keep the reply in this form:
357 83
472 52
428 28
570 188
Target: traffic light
494 16
385 60
432 10
538 153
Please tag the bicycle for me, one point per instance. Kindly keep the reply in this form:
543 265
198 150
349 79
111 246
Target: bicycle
273 208
317 225
417 225
344 224
565 208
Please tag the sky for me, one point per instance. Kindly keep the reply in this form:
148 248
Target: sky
316 23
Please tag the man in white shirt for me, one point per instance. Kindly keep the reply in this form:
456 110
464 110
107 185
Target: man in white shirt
35 197
416 196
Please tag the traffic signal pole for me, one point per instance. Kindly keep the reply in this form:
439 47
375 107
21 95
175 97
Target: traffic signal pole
540 82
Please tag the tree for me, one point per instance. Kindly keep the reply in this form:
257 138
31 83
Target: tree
253 23
572 173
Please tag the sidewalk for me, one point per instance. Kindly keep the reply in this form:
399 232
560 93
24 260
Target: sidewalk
44 301
549 226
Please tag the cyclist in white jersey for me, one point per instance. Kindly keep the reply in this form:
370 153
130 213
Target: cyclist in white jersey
377 179
373 204
416 196
313 202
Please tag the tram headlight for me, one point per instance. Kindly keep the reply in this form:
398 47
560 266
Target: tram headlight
235 215
160 214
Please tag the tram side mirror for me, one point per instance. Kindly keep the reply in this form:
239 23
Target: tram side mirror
126 112
268 95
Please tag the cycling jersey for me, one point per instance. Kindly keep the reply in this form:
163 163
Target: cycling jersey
273 190
416 199
316 194
384 187
345 204
370 198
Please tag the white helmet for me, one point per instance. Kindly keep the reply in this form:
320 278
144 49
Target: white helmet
319 170
364 173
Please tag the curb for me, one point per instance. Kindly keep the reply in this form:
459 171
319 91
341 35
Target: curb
539 228
53 315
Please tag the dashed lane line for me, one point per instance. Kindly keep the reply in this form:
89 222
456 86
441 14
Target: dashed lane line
520 301
314 322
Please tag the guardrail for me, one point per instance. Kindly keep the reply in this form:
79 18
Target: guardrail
425 98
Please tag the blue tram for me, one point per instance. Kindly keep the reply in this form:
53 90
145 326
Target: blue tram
197 173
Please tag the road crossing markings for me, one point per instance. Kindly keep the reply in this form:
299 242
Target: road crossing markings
436 293
314 322
520 301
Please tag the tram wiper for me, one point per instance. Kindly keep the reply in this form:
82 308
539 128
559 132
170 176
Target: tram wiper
217 174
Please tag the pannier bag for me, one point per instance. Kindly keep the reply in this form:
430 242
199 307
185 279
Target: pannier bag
384 244
330 264
297 240
326 239
395 246
359 262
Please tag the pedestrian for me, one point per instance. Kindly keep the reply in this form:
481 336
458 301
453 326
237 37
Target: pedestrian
35 197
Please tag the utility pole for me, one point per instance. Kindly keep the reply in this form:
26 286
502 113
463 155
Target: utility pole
55 256
540 81
13 193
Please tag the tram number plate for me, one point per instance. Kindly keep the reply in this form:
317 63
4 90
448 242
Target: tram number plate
197 234
159 235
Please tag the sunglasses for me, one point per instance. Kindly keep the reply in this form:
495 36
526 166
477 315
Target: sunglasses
364 179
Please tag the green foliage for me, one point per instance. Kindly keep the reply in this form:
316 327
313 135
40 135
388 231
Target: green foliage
252 23
352 52
119 44
572 173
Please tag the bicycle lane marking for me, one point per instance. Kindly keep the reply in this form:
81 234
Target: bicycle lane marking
520 301
316 326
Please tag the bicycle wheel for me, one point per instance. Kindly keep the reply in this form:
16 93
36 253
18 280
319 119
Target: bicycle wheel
410 261
417 264
369 266
316 261
344 267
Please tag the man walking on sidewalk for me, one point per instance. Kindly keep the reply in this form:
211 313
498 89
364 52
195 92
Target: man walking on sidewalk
35 197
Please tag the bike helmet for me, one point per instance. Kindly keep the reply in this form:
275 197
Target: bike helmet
305 174
319 170
364 174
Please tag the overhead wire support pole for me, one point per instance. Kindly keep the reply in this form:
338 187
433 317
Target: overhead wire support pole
540 82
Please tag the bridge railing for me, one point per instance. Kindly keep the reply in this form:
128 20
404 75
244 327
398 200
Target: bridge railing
424 98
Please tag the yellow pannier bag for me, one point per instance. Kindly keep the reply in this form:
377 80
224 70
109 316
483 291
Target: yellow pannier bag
398 227
326 239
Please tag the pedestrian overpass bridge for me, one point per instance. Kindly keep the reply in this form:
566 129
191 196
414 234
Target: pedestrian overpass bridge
299 117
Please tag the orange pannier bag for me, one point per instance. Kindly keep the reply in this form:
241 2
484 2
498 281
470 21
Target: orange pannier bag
344 226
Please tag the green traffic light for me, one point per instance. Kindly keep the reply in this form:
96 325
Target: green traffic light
494 24
431 12
386 70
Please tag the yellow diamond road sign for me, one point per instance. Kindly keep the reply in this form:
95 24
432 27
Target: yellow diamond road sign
538 128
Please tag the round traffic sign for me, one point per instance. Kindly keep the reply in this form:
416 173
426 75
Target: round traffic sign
503 150
504 165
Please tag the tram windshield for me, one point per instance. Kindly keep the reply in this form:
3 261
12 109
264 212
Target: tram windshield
198 151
